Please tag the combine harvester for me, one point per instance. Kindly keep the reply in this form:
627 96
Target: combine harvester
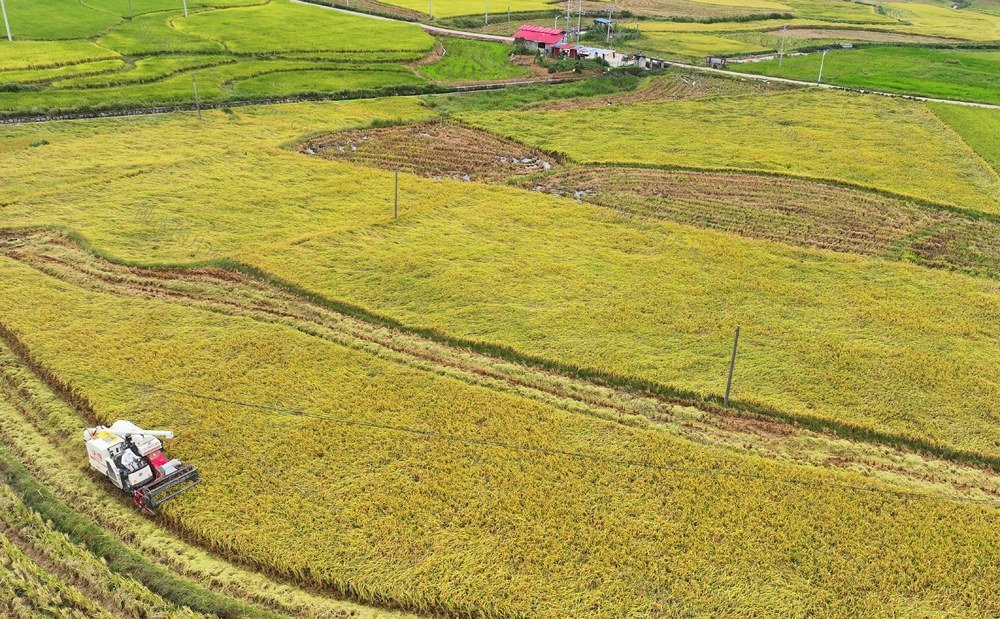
133 459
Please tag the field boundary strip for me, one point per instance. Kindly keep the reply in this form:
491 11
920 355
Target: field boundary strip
406 91
709 403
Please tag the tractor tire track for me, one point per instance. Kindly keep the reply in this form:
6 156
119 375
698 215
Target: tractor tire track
230 292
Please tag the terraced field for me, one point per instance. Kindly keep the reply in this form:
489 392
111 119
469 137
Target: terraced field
436 150
517 394
790 211
551 447
275 49
675 86
797 132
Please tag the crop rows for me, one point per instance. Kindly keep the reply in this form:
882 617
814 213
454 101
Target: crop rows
39 427
400 518
674 86
230 292
45 572
790 211
435 149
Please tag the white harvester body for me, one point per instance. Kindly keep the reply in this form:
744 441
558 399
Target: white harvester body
133 459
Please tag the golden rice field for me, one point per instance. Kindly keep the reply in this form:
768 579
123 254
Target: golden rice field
803 133
327 232
465 355
426 521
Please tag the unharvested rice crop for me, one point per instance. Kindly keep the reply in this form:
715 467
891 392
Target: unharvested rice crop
427 522
46 54
233 292
941 21
436 150
683 9
799 132
791 211
455 8
467 259
690 45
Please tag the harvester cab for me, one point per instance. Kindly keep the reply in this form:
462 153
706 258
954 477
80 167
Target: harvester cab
133 459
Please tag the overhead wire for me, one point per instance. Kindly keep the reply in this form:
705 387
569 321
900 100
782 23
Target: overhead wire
623 462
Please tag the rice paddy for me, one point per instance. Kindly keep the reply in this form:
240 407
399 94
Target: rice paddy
621 344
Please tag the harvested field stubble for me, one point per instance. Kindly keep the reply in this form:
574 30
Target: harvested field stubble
789 210
435 149
673 86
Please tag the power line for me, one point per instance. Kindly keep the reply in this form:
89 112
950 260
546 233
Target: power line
623 462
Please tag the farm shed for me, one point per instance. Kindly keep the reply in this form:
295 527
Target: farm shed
538 38
564 50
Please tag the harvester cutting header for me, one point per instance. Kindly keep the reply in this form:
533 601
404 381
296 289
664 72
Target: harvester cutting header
133 459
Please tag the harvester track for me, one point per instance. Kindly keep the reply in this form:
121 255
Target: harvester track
231 292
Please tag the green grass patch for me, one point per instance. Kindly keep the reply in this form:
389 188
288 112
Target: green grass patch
56 19
970 75
470 61
151 34
281 26
978 126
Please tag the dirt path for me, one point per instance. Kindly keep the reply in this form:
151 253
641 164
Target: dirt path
235 293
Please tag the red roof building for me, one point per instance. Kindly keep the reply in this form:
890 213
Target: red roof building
538 37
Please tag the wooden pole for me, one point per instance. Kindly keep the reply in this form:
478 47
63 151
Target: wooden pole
732 366
197 102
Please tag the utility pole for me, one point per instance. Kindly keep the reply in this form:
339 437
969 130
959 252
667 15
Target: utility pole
610 9
781 55
508 12
430 11
185 8
487 12
732 366
197 102
7 23
566 23
395 204
579 20
822 61
130 10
